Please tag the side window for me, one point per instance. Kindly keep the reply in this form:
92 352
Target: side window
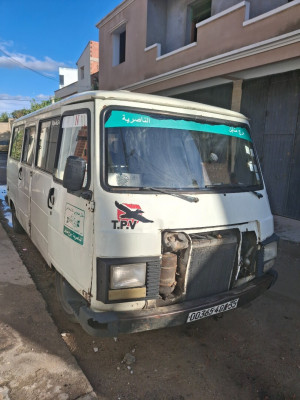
47 144
17 141
74 141
28 145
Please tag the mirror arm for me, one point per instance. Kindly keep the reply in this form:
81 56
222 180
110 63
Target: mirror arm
84 193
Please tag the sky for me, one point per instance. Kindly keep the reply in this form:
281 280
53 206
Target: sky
39 36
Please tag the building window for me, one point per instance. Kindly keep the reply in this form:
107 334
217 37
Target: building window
122 46
119 46
81 72
197 11
61 80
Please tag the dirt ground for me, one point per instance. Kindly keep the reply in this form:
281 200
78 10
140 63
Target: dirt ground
250 353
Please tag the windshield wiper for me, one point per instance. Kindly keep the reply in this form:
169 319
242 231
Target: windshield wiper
239 185
191 199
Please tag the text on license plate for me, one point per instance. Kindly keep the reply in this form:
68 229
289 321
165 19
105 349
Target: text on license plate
208 312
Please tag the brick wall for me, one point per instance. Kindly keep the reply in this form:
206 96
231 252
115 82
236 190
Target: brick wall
94 57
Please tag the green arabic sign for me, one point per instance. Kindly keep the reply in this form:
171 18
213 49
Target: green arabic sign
120 119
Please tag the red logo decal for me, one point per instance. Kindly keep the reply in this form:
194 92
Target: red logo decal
128 215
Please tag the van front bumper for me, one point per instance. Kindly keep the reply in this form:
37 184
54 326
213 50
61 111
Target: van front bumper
113 323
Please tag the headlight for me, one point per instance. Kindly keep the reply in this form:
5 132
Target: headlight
127 276
270 253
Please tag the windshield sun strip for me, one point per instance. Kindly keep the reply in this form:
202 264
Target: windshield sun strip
121 119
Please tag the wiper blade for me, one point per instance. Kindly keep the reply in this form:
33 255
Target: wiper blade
242 186
245 187
191 199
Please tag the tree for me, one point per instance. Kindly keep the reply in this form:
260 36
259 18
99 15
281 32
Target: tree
4 117
34 106
20 113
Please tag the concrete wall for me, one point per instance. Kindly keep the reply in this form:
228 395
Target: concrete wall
167 21
219 96
89 60
257 7
156 23
5 128
167 24
176 24
221 35
134 16
84 62
66 91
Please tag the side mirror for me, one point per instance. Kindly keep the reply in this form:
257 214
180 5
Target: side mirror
74 173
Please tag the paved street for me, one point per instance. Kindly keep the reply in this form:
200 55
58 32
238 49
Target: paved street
3 160
35 364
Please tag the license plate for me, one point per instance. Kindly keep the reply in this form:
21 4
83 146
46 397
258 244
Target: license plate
208 312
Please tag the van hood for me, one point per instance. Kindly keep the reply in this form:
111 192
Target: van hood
134 222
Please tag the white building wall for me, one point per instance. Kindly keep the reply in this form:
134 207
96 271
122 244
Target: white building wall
83 64
70 75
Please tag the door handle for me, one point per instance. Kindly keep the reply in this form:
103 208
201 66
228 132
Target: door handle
20 174
50 200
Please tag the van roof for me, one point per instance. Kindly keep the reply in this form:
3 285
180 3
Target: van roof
123 95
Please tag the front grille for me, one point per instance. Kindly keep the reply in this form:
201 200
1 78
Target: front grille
212 263
152 279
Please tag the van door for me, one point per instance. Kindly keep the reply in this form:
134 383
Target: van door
13 167
24 178
41 182
70 224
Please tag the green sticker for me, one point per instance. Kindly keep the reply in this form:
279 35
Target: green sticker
74 223
120 119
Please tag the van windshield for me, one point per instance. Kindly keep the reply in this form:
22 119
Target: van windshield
158 151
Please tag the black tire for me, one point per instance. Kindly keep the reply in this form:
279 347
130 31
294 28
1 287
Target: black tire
17 227
65 292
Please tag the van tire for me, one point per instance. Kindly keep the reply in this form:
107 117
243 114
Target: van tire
64 291
17 227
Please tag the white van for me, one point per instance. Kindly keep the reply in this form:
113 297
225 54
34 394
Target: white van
152 210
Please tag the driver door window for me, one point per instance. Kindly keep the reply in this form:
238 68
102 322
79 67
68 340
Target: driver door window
74 141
